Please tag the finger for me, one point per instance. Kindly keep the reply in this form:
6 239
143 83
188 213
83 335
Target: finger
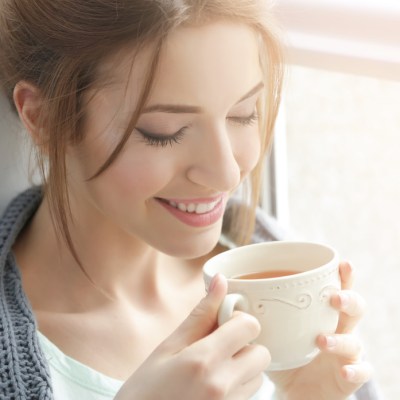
345 346
249 362
357 373
248 389
230 337
346 272
229 377
201 321
351 306
349 302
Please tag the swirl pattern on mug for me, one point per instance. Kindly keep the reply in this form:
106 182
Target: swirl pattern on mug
301 302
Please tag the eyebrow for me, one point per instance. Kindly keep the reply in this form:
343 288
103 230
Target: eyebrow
187 109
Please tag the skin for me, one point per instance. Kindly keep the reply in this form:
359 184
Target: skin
147 262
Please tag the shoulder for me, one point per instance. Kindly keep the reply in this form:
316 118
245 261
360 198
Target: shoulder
21 207
14 218
25 368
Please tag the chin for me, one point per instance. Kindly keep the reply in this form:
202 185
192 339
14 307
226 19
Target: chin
193 246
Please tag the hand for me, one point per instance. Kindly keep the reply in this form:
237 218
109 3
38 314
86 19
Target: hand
201 361
338 371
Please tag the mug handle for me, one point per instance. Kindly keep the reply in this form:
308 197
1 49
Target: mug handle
232 302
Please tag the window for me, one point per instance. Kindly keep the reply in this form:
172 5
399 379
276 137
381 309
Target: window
336 160
358 36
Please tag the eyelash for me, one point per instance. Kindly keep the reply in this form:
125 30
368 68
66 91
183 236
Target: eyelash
245 121
152 139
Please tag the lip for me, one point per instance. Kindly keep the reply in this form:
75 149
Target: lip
193 219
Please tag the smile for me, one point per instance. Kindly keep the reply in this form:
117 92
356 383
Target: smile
198 208
195 212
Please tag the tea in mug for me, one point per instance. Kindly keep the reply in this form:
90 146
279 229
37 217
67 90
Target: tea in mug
266 274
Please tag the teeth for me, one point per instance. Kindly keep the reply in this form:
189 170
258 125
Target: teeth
191 207
201 208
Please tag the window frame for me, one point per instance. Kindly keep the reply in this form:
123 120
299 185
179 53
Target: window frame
361 37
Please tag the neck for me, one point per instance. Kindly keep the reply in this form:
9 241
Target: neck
114 266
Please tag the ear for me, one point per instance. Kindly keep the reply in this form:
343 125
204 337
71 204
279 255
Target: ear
28 101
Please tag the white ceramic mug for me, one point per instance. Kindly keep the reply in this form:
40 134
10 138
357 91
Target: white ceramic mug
293 309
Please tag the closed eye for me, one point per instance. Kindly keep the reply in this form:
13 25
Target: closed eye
160 140
244 121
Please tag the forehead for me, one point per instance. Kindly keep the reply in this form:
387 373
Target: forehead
222 58
213 64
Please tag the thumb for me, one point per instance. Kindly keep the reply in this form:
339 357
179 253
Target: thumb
203 318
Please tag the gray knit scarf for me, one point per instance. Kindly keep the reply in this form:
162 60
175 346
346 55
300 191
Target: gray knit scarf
24 374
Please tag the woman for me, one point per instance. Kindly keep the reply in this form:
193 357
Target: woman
146 116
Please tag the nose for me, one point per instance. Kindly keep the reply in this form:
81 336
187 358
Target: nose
214 162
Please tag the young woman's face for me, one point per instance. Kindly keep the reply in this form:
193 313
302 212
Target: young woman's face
192 146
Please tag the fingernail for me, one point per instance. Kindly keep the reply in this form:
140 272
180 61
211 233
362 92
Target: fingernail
330 341
344 300
213 284
350 373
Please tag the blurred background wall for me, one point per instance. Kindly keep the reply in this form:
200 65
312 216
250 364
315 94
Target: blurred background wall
343 173
14 155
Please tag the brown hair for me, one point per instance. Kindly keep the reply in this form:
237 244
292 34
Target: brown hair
57 45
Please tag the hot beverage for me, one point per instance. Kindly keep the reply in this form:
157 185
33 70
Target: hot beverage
266 274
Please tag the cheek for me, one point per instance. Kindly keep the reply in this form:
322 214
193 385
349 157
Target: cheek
136 175
248 153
